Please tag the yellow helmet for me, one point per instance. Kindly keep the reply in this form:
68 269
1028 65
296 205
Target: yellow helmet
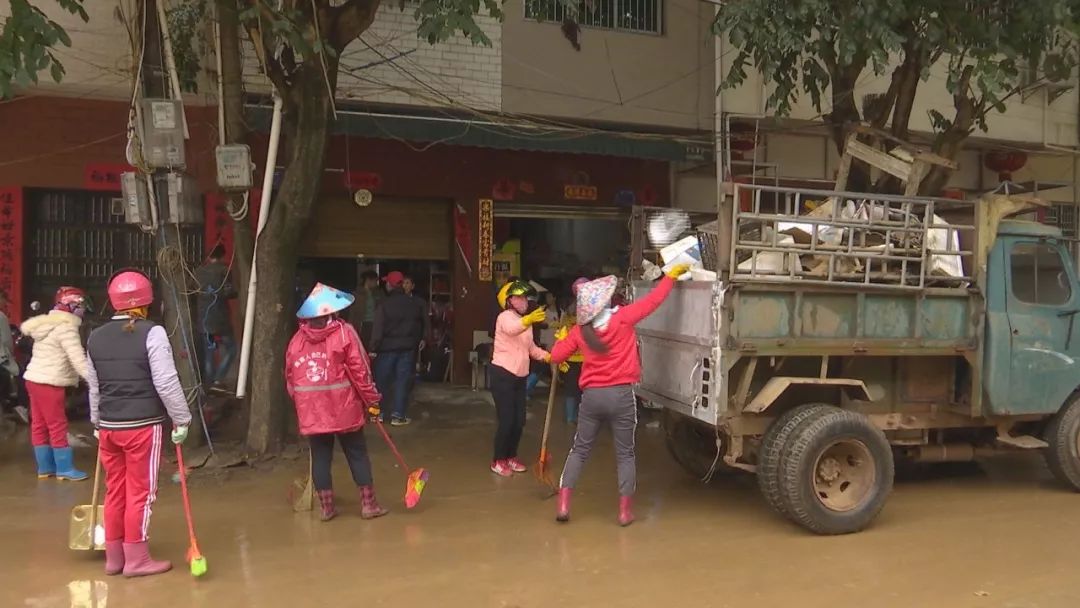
513 288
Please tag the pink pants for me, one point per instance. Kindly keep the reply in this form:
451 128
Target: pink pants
48 422
131 459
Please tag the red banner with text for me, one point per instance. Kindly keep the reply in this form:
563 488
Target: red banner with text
11 250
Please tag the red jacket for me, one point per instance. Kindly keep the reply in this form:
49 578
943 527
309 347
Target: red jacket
621 364
328 377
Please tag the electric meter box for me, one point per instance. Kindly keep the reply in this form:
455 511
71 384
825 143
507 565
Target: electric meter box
162 133
234 167
136 199
185 202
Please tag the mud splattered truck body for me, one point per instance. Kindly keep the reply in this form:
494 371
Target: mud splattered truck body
820 363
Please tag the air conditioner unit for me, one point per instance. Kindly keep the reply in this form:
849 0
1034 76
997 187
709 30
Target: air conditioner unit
136 199
185 201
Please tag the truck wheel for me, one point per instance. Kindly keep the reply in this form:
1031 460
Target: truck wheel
836 473
692 445
1063 435
772 447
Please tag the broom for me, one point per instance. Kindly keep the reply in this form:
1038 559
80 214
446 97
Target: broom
194 556
416 480
302 492
543 465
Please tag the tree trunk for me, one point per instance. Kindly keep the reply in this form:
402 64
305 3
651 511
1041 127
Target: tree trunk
307 118
235 133
843 117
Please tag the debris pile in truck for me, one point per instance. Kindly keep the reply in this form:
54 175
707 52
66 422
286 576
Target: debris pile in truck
862 241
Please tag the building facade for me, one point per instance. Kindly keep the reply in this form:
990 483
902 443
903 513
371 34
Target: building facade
459 163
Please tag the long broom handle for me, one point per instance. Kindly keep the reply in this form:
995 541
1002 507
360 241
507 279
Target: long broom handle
393 448
184 492
551 406
94 498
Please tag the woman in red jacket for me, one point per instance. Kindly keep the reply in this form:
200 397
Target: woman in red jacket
606 336
328 376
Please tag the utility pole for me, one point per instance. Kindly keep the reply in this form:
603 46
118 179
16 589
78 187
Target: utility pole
174 284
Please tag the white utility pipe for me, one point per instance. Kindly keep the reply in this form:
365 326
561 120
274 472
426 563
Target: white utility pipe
264 213
170 62
220 78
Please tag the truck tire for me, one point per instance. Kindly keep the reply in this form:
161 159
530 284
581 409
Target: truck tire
1063 454
836 473
770 454
692 445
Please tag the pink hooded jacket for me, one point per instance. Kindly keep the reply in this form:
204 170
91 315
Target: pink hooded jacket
328 376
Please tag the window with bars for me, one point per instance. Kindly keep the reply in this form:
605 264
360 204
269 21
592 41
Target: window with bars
638 16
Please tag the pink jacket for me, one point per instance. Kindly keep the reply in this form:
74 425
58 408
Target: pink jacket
328 377
514 345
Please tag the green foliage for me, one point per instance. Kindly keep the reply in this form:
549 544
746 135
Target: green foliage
27 41
438 20
187 30
803 46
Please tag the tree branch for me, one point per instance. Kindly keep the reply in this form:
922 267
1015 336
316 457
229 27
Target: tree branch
263 43
350 20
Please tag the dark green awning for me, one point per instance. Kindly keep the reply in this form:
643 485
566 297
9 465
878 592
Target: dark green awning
489 134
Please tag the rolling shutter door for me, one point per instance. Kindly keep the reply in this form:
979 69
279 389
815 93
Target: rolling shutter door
388 228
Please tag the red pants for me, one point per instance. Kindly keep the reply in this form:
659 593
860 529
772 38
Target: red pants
131 459
48 422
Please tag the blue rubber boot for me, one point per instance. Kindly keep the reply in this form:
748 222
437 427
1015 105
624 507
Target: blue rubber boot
46 466
65 465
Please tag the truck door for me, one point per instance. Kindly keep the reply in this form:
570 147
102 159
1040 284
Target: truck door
1042 304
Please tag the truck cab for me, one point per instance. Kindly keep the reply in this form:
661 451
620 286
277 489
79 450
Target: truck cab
1032 298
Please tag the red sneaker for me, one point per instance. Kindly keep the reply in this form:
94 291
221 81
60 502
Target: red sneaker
501 468
516 466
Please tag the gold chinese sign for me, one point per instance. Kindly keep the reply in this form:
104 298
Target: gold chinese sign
579 193
487 239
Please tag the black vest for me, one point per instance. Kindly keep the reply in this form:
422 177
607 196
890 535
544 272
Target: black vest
128 398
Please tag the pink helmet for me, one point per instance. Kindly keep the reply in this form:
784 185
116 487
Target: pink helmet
130 289
69 299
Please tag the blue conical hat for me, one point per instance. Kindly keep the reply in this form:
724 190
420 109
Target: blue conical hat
324 300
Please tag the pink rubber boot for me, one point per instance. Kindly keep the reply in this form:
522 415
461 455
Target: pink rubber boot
327 511
114 557
137 561
369 507
563 512
626 515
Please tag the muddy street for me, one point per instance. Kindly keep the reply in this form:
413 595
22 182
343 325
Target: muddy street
1000 535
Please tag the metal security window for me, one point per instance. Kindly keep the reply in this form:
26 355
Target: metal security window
638 16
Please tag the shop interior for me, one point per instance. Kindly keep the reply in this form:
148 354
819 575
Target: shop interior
433 282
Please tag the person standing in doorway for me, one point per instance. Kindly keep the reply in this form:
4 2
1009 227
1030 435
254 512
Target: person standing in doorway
395 338
514 349
571 387
605 335
362 314
328 376
9 367
214 321
57 363
134 389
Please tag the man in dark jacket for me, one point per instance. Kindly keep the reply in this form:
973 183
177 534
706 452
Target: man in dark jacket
397 334
213 322
362 312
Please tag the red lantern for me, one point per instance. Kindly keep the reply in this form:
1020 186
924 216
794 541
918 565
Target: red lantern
1005 163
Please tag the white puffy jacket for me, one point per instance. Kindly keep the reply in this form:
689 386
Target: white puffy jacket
58 358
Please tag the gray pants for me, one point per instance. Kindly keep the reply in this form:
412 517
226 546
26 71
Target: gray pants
614 406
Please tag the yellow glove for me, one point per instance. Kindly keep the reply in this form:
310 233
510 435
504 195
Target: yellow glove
678 270
374 410
564 367
534 317
562 332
